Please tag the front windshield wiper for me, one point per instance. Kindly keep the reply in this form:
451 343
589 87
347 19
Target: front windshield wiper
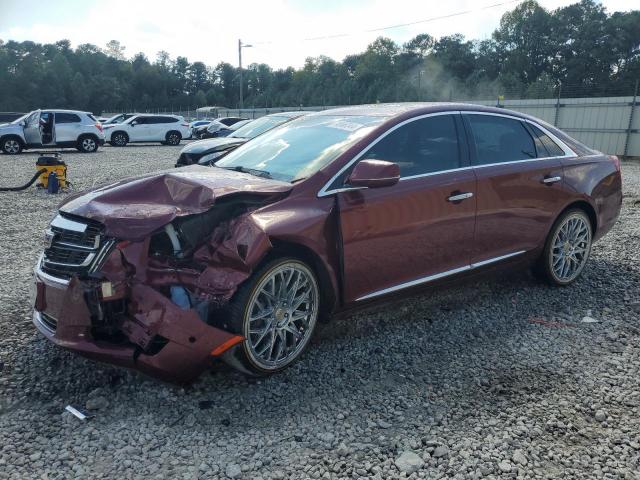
251 171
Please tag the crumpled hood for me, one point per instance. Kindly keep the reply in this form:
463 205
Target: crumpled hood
211 144
135 207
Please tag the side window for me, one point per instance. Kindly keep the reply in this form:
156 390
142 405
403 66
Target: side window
34 118
422 146
500 139
67 118
141 120
546 146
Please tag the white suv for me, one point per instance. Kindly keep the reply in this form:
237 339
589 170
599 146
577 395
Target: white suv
52 128
166 129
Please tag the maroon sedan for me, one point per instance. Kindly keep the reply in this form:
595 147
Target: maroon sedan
332 211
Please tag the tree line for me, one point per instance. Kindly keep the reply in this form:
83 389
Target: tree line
533 53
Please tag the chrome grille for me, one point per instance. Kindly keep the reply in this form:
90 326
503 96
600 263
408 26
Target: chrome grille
75 246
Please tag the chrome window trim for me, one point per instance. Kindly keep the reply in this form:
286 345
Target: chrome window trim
324 192
568 153
437 276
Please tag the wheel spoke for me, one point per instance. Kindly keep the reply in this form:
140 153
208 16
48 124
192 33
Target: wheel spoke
281 316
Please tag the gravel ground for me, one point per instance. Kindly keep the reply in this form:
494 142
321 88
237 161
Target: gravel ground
496 378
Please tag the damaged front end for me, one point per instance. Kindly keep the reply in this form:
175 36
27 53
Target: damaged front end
141 290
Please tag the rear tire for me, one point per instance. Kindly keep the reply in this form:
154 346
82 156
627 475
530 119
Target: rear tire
12 145
567 248
87 144
119 139
173 138
276 310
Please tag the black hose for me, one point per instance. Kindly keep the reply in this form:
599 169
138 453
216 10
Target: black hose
26 185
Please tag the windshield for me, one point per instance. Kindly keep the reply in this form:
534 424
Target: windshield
24 117
115 119
259 126
299 149
238 125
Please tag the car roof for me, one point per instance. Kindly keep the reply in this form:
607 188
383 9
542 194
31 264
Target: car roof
62 110
292 114
410 109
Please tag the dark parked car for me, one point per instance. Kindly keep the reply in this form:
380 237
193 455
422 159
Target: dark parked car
207 130
335 211
207 152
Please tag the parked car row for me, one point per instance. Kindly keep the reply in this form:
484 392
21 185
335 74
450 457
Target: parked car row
70 128
215 128
207 152
326 213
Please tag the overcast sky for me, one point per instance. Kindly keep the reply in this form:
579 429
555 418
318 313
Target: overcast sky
279 29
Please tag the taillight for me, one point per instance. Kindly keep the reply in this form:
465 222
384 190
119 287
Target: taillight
185 124
616 161
99 126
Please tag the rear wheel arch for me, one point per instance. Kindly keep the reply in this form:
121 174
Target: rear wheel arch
584 206
12 136
92 136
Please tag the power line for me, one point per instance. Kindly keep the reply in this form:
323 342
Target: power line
399 25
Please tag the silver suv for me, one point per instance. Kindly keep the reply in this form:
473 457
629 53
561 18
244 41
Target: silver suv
52 128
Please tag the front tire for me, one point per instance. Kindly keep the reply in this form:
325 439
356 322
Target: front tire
119 139
276 311
87 144
173 138
567 248
12 145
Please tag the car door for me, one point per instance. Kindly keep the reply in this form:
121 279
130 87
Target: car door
420 229
139 129
156 128
66 127
31 130
520 188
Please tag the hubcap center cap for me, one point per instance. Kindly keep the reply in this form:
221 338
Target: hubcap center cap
281 316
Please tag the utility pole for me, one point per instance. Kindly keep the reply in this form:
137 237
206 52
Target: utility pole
240 46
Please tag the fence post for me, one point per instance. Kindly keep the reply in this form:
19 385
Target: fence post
557 114
633 109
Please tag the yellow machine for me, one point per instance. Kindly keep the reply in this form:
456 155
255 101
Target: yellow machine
51 164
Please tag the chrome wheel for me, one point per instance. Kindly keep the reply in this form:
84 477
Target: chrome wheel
570 247
281 315
173 139
88 144
12 146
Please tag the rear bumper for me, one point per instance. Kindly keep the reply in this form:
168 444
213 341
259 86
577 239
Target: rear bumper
63 315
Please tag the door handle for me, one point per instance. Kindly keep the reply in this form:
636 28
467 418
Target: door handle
458 197
551 180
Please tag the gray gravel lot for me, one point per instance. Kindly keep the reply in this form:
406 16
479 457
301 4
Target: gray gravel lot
499 378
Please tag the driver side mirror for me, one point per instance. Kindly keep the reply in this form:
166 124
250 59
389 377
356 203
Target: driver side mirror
374 174
134 123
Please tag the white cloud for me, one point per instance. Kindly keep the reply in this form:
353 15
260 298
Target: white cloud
209 31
